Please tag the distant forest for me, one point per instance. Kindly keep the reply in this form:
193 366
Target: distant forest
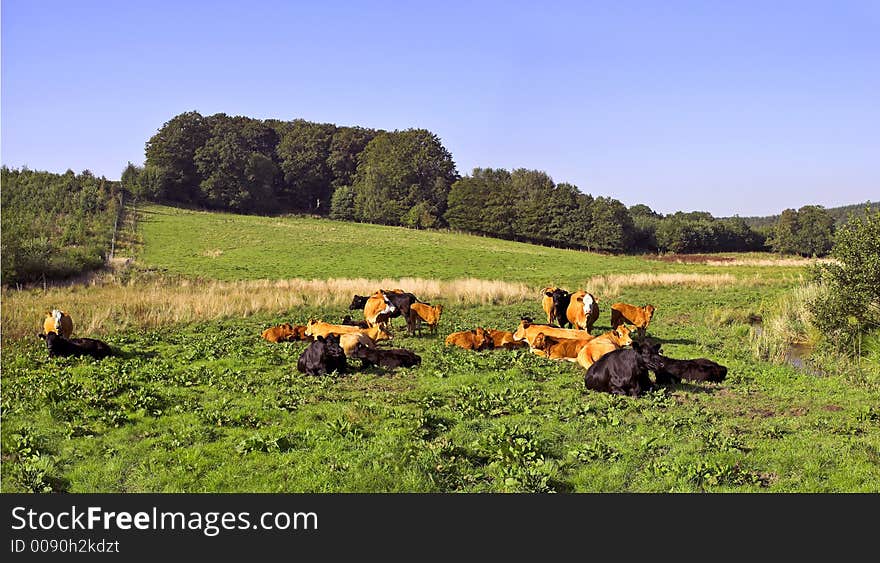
57 225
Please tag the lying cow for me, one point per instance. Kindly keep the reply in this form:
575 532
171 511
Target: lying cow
624 371
603 344
59 322
504 339
474 339
640 317
528 330
388 358
322 356
699 369
59 346
558 348
351 340
427 313
315 328
286 333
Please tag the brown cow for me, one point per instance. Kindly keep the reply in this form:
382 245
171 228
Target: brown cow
425 312
350 341
504 339
378 310
316 328
601 345
558 348
527 330
583 310
547 303
640 317
474 339
59 322
286 333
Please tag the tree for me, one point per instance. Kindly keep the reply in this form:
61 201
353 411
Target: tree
303 152
345 147
172 152
851 306
815 235
611 228
400 170
131 179
236 165
342 204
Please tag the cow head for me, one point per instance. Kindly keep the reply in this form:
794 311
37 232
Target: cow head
520 333
649 312
358 302
623 335
648 355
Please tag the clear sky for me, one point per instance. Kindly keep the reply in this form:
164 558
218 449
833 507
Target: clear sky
732 107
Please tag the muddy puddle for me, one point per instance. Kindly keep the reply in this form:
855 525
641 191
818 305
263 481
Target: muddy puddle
797 355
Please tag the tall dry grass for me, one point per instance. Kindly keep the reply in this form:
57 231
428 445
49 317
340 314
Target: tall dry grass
612 285
102 308
783 262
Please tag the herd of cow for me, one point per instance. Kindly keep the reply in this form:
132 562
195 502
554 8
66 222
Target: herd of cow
615 362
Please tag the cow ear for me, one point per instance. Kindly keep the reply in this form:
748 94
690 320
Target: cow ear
41 335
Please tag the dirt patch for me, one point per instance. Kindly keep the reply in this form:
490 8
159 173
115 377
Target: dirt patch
799 411
761 413
832 408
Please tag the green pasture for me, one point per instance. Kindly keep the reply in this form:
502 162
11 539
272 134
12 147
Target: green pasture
225 246
211 407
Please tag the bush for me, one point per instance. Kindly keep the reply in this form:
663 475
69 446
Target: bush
851 307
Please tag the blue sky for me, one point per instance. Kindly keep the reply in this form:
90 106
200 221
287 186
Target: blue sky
728 107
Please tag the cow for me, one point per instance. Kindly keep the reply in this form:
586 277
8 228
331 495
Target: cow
640 317
504 339
558 348
624 371
351 340
59 322
347 320
527 330
59 346
603 344
322 356
427 313
699 369
358 302
378 310
316 328
551 301
474 339
402 301
389 358
286 333
582 310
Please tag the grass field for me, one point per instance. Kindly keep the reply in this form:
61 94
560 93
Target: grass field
197 401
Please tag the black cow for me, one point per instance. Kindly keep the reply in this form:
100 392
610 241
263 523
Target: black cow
358 302
699 369
59 346
322 356
351 322
390 358
624 371
561 299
